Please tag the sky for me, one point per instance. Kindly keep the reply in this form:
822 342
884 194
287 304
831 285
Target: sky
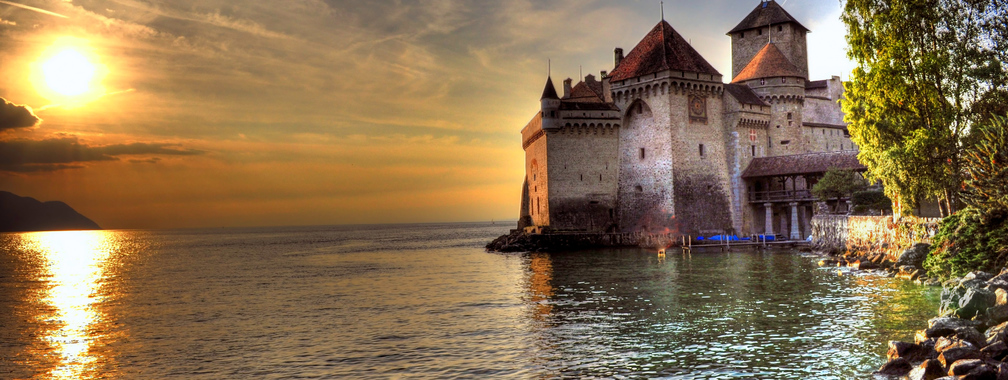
235 113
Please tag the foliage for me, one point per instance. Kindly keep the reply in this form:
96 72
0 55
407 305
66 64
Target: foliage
986 184
872 199
836 184
966 241
922 64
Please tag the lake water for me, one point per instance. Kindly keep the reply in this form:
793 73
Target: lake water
427 301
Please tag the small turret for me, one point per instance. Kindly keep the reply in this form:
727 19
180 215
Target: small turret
567 88
550 106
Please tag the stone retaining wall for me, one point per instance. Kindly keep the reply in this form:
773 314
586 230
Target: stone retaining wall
871 234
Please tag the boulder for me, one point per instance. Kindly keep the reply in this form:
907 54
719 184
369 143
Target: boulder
928 370
1002 371
997 333
971 335
945 326
914 256
964 366
1001 296
974 302
978 275
997 314
985 371
954 354
898 367
950 296
994 285
996 351
1003 275
912 352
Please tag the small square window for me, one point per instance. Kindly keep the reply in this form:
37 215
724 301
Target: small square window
780 28
642 153
761 32
741 35
701 150
789 116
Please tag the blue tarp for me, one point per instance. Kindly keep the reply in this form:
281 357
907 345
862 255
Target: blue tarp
724 237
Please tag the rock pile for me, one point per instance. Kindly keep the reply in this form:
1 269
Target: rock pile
909 264
952 346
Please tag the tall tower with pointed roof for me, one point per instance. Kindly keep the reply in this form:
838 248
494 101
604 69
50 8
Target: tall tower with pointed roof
672 144
769 23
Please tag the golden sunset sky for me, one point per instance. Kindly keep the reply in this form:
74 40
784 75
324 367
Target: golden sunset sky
258 113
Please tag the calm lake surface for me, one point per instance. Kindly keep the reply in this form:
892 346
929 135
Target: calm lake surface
427 301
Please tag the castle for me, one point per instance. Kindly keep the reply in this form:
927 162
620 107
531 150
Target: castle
660 144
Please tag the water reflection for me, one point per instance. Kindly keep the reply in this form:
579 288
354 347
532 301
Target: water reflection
73 265
708 315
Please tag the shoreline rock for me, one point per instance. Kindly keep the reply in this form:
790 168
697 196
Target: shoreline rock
952 344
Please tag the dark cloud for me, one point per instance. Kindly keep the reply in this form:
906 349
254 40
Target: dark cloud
69 153
14 116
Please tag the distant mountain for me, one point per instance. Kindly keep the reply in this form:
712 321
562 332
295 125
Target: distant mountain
27 214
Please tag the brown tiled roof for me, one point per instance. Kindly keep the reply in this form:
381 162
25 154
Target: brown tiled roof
549 92
824 125
583 92
661 49
809 163
765 14
816 84
586 95
744 94
769 62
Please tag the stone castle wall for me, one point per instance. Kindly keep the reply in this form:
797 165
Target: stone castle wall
871 234
583 175
672 187
536 172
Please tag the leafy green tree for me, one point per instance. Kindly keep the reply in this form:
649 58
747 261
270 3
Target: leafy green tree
922 64
986 184
836 184
976 237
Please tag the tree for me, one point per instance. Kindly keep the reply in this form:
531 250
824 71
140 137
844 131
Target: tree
986 183
922 64
836 184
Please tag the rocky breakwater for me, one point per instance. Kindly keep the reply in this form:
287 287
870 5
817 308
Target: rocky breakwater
908 265
953 346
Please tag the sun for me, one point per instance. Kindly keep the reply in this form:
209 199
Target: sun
69 71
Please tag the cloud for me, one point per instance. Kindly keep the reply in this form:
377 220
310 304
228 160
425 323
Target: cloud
13 116
70 153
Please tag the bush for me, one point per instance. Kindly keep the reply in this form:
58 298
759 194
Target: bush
865 201
969 240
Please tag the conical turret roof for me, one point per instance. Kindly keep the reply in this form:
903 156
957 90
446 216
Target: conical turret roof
768 62
766 13
550 91
661 49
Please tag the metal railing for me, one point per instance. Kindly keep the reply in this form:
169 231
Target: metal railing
781 196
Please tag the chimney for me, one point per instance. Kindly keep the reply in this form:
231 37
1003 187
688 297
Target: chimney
619 56
567 88
606 89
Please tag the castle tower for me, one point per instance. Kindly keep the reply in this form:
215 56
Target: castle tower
672 176
769 22
782 85
550 106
